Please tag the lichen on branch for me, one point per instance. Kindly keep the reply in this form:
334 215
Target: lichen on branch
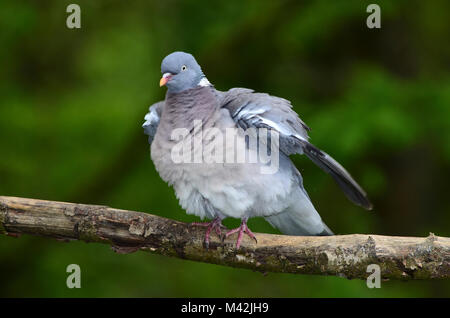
347 256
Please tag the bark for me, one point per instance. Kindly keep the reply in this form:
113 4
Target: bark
347 256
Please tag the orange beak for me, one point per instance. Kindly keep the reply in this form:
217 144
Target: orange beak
166 77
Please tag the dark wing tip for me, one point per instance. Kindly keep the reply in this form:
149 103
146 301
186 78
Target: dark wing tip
364 203
351 189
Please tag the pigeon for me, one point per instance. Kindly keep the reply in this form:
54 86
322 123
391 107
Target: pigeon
220 189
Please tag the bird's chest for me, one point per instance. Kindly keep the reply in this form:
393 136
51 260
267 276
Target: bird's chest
191 155
189 129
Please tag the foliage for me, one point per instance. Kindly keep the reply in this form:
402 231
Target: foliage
72 104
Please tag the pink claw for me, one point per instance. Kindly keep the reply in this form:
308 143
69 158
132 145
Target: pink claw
215 224
243 228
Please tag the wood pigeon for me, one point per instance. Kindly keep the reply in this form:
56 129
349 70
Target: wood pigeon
219 189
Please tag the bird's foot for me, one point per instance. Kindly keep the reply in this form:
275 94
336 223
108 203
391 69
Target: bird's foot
243 228
215 225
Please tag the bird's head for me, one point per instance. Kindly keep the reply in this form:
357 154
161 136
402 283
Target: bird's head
181 72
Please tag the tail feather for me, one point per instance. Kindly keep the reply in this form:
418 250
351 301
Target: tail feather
351 189
292 223
301 218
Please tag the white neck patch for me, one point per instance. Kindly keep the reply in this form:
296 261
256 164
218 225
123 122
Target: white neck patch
204 82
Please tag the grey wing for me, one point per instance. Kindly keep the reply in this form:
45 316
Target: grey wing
152 120
259 110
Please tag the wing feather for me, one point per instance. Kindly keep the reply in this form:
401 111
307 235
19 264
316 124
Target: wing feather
152 120
250 109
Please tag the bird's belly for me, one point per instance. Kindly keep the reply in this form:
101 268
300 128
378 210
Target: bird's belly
233 189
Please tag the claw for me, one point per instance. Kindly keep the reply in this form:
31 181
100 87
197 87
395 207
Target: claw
215 224
243 228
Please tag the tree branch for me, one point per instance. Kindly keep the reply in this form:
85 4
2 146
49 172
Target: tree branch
127 231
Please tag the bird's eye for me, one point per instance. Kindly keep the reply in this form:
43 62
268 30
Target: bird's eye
183 68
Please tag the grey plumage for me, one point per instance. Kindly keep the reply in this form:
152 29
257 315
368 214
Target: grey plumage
262 110
188 72
152 120
217 190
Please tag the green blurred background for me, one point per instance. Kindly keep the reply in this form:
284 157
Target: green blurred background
73 101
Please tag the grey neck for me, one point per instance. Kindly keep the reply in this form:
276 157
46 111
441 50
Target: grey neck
181 109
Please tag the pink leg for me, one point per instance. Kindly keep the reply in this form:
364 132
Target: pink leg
243 228
215 224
